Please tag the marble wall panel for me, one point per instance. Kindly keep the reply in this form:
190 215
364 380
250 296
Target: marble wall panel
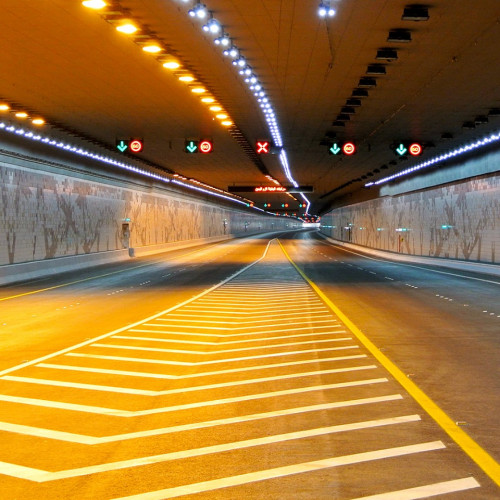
45 215
456 221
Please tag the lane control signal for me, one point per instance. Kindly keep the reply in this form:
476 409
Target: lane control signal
405 148
262 147
347 148
191 146
130 145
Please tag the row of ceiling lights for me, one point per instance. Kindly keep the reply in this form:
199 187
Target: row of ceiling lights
229 49
20 114
151 45
222 39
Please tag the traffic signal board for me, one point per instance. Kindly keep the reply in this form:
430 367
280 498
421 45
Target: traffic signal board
263 147
129 145
347 148
204 146
404 148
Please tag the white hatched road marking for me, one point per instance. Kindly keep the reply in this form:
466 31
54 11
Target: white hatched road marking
183 390
188 406
91 440
212 362
429 490
217 351
286 471
40 476
194 375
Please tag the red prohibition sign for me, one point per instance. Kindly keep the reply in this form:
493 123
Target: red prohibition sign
349 148
415 149
206 147
136 146
263 147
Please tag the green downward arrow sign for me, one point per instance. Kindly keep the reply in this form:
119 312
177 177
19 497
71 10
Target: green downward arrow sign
335 150
401 150
122 146
191 146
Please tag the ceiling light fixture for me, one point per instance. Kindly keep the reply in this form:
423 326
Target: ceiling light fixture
127 27
325 9
212 26
94 4
21 114
199 10
367 82
399 36
387 54
4 107
186 78
38 121
152 48
375 69
415 13
223 40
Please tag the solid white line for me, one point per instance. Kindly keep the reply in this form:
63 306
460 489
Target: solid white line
150 318
217 351
201 363
182 390
188 406
430 490
252 477
44 476
91 440
228 342
196 375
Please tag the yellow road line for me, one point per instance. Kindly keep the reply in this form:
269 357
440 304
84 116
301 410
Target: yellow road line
482 458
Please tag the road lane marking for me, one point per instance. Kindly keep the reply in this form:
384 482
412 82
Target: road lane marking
429 490
252 477
188 406
230 334
217 351
200 363
91 440
482 458
119 330
229 342
41 476
282 315
225 310
196 375
187 319
182 390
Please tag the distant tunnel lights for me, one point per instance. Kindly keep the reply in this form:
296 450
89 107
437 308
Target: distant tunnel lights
326 10
127 27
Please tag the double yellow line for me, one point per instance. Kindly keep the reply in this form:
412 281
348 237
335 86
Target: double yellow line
485 461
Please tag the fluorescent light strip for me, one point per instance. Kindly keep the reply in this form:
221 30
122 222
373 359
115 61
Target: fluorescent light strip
79 151
456 152
240 62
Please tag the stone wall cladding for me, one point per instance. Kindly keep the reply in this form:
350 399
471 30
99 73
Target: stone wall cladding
455 221
45 215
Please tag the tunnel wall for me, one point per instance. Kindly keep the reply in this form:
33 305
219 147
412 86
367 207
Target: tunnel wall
456 221
47 213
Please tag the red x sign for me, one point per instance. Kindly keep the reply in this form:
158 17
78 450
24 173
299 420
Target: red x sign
262 147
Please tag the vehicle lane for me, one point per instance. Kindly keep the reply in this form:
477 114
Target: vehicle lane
430 322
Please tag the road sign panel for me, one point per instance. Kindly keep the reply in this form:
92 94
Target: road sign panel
263 147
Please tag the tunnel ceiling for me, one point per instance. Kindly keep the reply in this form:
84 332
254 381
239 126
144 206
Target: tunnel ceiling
68 64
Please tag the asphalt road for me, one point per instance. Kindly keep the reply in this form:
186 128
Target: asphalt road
219 373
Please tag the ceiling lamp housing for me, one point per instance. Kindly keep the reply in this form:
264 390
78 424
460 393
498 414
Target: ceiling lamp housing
387 54
399 36
199 10
415 13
